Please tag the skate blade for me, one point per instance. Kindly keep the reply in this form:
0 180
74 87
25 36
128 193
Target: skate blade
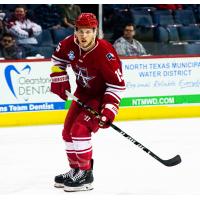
58 185
85 187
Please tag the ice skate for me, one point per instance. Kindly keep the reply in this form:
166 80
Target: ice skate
60 179
82 181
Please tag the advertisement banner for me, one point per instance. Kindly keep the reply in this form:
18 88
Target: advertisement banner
25 85
161 81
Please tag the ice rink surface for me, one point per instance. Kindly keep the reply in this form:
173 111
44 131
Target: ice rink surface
30 157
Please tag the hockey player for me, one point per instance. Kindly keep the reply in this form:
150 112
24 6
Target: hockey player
99 84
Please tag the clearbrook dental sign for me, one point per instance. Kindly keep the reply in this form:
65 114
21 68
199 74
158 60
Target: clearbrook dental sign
33 86
25 85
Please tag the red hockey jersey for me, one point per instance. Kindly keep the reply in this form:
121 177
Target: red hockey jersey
98 71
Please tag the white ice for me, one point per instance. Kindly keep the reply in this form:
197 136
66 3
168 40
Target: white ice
30 157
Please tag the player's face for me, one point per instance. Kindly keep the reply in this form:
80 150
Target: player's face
86 37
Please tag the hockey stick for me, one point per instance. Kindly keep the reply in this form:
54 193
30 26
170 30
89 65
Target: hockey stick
169 163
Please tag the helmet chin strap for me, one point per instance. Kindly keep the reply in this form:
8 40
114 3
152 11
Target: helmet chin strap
90 45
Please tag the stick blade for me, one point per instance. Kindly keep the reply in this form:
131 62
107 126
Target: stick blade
173 161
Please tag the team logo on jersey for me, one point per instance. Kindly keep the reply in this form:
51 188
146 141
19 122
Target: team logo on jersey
82 76
71 55
110 56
